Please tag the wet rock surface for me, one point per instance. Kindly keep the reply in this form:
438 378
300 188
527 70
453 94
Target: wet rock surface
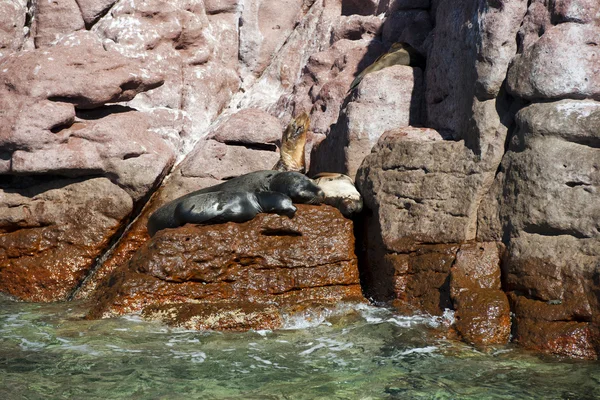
269 263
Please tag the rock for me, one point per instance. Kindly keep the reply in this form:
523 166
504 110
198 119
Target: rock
273 91
48 128
55 19
409 5
264 27
12 26
408 26
457 70
211 159
422 191
52 232
195 53
554 335
251 126
110 78
553 164
324 85
563 63
482 311
537 20
552 226
384 100
580 11
483 316
356 27
267 262
360 7
477 266
92 10
249 134
419 278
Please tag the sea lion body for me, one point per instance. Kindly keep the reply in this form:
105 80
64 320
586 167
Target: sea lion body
219 207
340 192
293 142
398 54
211 203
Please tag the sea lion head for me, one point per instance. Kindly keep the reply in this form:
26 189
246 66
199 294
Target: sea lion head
299 187
275 202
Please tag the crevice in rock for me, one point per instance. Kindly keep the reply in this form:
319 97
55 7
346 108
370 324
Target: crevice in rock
576 183
547 230
280 232
29 19
101 112
113 242
253 146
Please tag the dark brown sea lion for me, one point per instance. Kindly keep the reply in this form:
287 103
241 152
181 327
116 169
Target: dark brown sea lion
296 186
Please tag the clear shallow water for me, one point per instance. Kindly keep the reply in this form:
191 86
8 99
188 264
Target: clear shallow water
46 352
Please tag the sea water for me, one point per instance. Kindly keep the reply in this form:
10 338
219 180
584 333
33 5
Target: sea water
47 351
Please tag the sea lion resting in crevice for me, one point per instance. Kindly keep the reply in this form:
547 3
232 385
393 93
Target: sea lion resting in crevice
238 199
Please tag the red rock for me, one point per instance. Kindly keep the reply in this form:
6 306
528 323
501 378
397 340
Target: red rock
482 316
271 261
563 338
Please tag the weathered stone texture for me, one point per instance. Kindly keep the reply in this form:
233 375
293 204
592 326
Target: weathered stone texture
269 261
51 233
563 63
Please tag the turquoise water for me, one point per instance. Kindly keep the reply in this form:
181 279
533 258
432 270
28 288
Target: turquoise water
48 352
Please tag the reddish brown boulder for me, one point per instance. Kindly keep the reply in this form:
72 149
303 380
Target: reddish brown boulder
482 316
51 234
269 262
550 327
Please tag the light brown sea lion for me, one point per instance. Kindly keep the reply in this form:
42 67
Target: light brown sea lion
293 142
340 192
398 54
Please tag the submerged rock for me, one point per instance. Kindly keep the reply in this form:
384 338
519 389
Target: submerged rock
237 276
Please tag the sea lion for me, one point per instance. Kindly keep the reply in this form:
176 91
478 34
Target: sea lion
298 187
340 192
398 54
219 207
293 142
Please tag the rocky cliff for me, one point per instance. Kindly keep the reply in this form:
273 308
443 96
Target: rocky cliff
479 167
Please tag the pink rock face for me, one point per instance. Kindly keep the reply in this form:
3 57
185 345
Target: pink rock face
264 27
196 53
92 10
563 63
250 126
55 19
581 11
12 23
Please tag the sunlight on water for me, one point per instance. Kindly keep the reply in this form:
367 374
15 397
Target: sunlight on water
48 352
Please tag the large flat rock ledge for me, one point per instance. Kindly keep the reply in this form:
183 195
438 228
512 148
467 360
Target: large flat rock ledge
237 276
